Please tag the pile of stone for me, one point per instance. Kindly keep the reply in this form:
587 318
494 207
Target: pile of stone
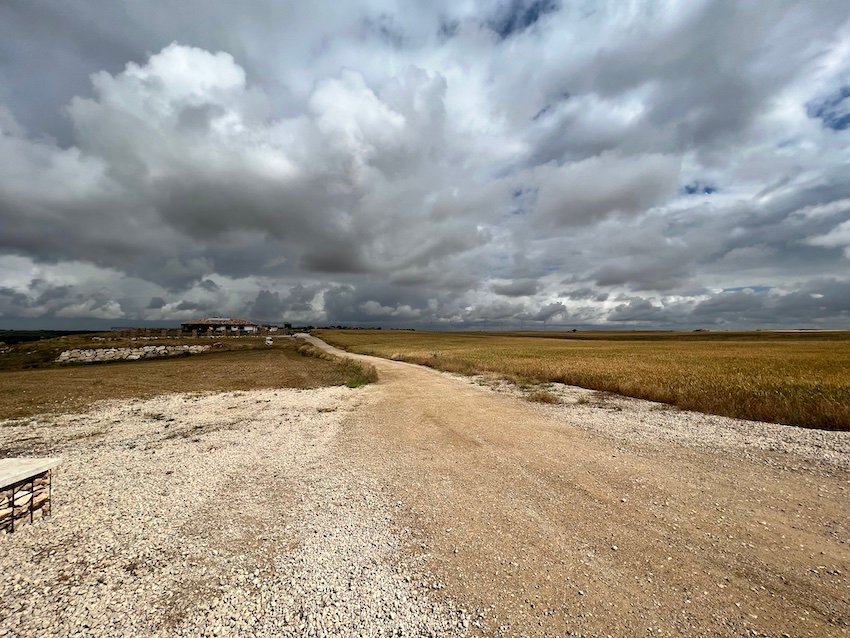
24 491
99 355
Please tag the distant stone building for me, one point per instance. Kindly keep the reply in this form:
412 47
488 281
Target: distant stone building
220 325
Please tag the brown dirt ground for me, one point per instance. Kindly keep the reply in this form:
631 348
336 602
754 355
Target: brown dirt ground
557 531
73 388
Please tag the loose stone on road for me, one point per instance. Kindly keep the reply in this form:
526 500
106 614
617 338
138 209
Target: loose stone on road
556 525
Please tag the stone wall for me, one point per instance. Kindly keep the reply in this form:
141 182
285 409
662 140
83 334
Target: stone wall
24 502
99 355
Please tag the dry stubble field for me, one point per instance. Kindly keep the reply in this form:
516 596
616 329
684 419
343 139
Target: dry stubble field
30 383
794 378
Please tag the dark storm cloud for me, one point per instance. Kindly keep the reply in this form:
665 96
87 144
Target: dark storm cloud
815 303
267 306
819 301
12 301
642 311
272 306
70 41
426 164
44 298
49 294
190 305
696 64
517 288
582 294
379 303
549 312
587 191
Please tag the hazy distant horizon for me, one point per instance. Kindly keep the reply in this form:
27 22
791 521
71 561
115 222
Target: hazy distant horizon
87 325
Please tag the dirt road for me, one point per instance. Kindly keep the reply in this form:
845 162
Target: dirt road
551 529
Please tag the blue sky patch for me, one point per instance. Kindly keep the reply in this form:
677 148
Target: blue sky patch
524 199
518 15
833 110
759 290
699 188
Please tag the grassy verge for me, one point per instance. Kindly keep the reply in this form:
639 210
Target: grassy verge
242 364
798 379
357 374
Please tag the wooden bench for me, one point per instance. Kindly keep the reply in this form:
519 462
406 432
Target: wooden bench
25 491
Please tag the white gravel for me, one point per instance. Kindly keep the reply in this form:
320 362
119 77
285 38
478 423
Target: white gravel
219 514
641 422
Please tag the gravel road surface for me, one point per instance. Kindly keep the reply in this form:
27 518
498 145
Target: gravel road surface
213 515
616 517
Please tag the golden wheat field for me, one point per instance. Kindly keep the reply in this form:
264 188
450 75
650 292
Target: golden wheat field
795 378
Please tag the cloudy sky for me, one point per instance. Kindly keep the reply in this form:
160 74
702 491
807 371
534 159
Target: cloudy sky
457 163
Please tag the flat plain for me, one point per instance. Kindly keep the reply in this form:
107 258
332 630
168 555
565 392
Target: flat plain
425 504
793 378
32 383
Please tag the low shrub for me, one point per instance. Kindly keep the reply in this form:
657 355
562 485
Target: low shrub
542 396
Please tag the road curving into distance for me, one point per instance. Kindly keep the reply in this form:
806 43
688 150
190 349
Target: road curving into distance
548 528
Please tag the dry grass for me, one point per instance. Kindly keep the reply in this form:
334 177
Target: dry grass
358 374
241 364
542 396
799 379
